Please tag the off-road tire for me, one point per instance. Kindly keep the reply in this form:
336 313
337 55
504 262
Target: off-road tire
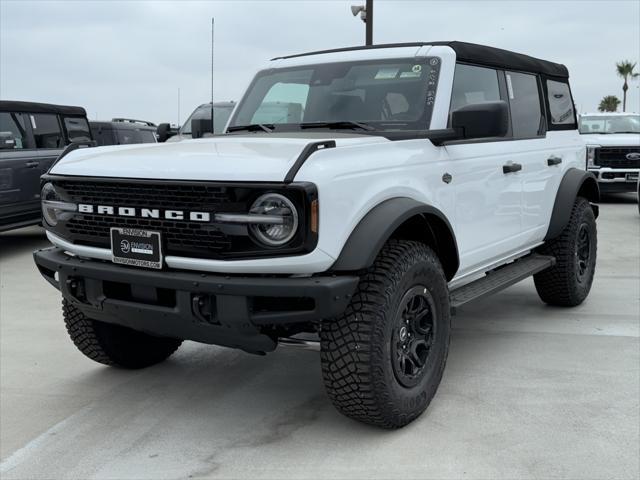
562 285
115 345
356 348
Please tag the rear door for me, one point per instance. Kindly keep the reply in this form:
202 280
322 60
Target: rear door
548 144
530 148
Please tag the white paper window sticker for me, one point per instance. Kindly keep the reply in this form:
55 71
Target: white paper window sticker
33 121
510 87
386 73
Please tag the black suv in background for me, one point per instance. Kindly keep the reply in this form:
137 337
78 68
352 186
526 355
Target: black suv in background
123 132
32 135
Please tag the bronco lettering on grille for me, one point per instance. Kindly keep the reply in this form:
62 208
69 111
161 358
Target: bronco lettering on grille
145 212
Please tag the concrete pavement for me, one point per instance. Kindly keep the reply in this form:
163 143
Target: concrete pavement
530 391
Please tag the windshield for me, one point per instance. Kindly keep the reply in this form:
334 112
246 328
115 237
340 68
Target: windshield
610 124
220 117
383 94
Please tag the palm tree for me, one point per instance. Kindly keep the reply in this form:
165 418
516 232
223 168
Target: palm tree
625 70
609 104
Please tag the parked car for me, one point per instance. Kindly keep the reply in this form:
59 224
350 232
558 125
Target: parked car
613 149
122 133
32 135
221 112
415 179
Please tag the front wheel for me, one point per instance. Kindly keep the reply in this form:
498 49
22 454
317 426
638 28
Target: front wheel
568 283
115 345
383 359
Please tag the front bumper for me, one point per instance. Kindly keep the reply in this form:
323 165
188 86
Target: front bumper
216 309
616 180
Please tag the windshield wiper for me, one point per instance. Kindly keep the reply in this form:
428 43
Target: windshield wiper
342 124
254 127
625 132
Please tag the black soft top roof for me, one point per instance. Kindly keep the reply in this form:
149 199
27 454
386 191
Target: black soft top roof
33 107
473 53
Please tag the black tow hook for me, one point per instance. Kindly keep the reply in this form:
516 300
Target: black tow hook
76 289
203 307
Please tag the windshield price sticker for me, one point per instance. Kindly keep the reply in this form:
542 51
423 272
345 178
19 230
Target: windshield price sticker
386 73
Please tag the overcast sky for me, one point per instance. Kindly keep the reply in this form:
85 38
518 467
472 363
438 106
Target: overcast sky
128 58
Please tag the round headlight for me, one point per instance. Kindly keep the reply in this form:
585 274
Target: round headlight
281 219
54 208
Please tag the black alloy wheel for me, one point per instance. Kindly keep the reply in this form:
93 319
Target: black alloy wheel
413 335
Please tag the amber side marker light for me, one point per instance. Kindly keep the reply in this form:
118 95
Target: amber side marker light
314 216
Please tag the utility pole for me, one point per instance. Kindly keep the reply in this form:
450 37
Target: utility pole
178 106
369 21
366 15
212 30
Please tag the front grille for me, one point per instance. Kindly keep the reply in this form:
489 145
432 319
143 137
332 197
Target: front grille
174 196
182 238
615 157
179 237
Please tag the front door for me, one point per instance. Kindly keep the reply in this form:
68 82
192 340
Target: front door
486 179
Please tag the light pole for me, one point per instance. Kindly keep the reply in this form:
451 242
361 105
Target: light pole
366 15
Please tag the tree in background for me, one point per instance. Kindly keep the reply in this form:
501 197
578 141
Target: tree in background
609 104
625 70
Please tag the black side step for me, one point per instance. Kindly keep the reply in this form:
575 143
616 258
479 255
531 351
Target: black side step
499 279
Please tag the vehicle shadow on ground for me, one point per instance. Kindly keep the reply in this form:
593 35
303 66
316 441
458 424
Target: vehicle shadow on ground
21 241
618 198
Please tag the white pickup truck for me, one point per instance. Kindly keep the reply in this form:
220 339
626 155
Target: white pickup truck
613 149
360 195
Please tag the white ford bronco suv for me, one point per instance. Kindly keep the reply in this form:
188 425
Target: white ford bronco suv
613 149
392 185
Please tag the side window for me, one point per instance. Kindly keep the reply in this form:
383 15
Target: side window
473 84
560 103
46 130
128 136
12 131
524 100
283 103
147 136
77 129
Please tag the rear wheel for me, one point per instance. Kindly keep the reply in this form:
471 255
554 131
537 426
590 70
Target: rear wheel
383 359
568 283
114 344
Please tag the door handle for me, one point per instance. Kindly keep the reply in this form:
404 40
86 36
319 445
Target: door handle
32 164
511 168
553 160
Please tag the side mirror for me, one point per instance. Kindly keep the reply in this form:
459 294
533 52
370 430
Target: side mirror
200 126
164 132
481 120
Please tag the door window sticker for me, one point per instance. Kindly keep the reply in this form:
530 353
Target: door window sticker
510 87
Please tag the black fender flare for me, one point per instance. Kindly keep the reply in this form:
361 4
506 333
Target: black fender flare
575 182
382 221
